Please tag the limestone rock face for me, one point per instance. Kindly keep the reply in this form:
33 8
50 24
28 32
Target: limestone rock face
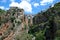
18 30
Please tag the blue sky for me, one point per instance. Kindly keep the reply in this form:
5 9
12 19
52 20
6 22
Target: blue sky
30 6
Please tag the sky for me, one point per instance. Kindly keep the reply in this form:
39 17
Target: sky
29 6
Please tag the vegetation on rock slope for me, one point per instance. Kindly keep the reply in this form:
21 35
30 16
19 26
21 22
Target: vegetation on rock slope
49 20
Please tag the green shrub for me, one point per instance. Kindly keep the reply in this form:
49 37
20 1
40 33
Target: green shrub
58 33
